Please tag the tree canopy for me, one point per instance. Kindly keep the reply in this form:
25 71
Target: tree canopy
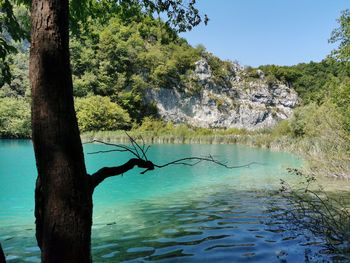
181 15
341 35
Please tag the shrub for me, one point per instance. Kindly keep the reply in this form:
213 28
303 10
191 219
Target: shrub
14 118
282 128
97 113
152 125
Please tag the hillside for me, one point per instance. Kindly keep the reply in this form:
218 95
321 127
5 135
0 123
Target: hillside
126 70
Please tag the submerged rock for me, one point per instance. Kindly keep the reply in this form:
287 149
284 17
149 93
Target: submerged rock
240 102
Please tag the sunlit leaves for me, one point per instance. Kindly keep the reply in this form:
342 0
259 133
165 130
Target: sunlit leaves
341 35
14 118
182 15
97 113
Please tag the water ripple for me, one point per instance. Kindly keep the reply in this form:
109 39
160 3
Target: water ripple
217 230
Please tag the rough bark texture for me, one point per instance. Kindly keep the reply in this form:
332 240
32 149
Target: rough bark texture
63 196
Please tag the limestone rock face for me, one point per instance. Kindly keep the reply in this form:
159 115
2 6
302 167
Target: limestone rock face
239 103
202 71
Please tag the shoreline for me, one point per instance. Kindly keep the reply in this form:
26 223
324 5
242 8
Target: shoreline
318 162
257 140
314 151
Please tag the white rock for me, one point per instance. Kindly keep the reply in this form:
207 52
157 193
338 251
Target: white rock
240 104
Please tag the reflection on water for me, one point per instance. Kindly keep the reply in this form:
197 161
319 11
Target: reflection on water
198 214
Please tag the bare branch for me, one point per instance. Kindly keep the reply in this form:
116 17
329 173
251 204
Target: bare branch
106 172
147 148
123 148
108 151
141 160
132 140
185 161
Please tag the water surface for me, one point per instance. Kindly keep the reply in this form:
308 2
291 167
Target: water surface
204 213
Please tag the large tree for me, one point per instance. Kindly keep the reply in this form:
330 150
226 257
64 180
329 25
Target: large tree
63 194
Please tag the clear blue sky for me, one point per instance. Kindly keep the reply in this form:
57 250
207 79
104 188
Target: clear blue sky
257 32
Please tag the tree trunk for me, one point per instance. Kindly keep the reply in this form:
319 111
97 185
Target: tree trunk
2 255
63 195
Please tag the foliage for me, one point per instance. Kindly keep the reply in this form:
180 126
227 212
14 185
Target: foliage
13 28
14 118
340 96
158 127
220 69
341 35
99 113
122 60
19 84
283 128
318 134
310 80
180 15
118 54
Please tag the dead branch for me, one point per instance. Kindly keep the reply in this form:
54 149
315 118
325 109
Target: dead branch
184 161
106 172
121 148
141 160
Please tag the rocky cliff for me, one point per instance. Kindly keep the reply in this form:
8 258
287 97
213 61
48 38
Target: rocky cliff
236 101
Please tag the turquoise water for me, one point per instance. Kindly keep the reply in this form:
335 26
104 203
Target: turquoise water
204 213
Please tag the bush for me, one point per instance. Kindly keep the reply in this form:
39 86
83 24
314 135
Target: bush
151 125
317 120
97 113
324 140
14 118
282 129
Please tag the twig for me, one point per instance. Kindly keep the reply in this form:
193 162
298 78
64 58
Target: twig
123 148
132 140
200 159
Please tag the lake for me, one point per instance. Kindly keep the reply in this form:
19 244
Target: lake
202 213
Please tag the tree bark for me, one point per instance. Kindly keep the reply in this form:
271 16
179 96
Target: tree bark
106 172
63 195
